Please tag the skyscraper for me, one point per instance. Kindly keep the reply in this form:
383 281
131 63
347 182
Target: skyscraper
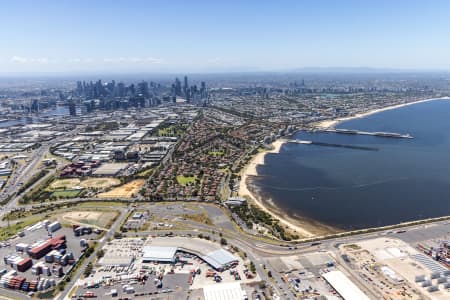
177 87
185 86
72 108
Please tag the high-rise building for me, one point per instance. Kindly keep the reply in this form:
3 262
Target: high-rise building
203 90
34 105
72 108
185 86
143 89
177 87
121 89
79 88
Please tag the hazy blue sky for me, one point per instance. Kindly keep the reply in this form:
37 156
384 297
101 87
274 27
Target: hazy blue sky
199 36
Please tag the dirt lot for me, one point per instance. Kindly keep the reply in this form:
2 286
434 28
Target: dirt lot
124 191
65 183
100 182
69 183
100 219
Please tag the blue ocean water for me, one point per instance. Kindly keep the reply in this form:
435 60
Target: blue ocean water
406 179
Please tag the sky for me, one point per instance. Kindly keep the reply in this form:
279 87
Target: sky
134 36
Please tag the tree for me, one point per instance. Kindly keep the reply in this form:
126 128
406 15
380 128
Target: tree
223 241
262 285
88 270
252 267
100 253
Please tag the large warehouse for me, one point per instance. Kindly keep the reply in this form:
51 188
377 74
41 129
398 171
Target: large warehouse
159 254
218 259
344 286
224 291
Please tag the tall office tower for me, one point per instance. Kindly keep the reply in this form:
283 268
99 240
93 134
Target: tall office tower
72 108
34 105
143 89
173 92
185 86
79 88
132 90
203 90
177 87
121 89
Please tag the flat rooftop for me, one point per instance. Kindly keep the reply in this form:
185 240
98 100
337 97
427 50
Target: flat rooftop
344 286
110 168
224 291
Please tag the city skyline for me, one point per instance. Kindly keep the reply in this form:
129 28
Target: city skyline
160 37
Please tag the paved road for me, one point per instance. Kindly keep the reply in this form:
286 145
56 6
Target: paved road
23 173
102 242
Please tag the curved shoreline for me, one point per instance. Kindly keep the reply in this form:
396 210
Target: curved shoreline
332 123
251 168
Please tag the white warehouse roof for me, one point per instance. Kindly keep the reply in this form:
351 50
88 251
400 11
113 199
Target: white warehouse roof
224 291
219 258
152 253
344 286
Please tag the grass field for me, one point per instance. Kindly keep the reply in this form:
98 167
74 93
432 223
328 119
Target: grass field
145 173
101 219
183 180
124 191
216 153
173 130
66 193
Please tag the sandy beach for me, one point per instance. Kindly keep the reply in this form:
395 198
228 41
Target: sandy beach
301 227
331 123
250 170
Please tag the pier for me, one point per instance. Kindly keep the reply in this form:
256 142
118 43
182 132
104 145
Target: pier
379 134
303 142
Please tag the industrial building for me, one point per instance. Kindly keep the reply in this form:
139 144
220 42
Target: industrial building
39 250
224 291
219 259
110 169
159 254
344 286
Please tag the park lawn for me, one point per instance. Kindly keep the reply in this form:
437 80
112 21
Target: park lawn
66 193
145 173
216 153
172 130
223 170
183 180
